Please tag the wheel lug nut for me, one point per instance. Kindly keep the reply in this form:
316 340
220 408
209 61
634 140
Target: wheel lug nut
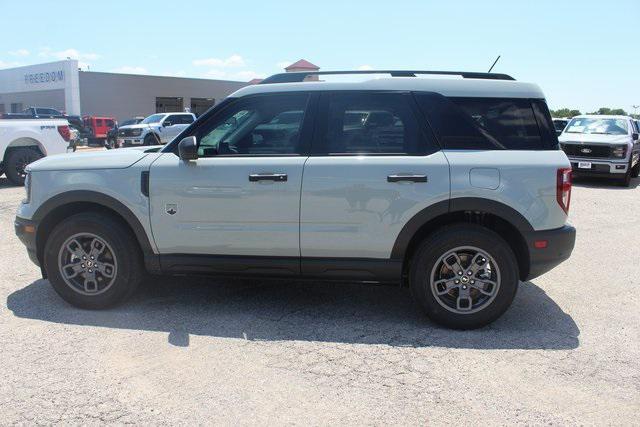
90 271
468 273
457 281
473 282
459 273
82 265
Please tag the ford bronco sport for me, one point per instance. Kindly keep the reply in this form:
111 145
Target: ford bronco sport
453 187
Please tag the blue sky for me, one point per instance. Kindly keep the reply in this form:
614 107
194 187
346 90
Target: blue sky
584 54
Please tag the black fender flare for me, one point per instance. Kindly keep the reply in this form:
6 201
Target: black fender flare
86 196
460 204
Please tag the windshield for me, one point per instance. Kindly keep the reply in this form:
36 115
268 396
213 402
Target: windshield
594 125
154 118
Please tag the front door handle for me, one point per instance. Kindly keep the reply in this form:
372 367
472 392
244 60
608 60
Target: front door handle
407 177
278 177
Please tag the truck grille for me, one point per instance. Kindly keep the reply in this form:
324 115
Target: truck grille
580 150
128 132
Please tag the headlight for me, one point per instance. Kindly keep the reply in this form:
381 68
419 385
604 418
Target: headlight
619 151
136 132
27 187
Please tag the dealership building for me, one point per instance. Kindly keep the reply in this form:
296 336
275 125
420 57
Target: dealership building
61 85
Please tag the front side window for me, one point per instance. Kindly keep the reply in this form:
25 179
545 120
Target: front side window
261 125
370 123
154 118
596 125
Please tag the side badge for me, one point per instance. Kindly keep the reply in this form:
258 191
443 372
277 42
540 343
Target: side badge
171 208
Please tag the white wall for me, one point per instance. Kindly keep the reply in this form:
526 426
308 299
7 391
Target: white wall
45 77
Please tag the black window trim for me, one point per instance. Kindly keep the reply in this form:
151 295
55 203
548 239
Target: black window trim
426 134
306 129
497 148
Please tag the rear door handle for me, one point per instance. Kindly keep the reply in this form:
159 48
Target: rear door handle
407 177
278 177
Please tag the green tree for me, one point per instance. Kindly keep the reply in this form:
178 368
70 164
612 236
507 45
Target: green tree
565 112
610 111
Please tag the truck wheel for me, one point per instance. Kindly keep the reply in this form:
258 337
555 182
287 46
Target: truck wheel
464 276
151 139
93 261
1 169
635 171
17 161
626 179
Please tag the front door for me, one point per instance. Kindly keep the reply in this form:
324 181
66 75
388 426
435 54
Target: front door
172 125
241 197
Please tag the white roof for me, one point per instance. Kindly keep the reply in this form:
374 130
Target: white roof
602 116
447 87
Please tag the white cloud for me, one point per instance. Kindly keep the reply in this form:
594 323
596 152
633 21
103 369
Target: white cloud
19 52
234 60
128 69
283 64
242 76
365 67
10 64
46 52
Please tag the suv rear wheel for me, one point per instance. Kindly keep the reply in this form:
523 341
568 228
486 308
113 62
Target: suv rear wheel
635 171
464 276
92 261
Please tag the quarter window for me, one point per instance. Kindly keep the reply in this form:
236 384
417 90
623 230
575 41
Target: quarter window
261 125
483 123
371 123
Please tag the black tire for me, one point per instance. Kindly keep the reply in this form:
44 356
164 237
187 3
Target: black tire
635 171
127 260
625 181
17 160
437 245
1 169
151 139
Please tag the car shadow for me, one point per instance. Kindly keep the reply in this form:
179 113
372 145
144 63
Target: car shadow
608 183
5 183
308 311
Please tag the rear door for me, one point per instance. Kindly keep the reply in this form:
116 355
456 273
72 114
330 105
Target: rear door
374 165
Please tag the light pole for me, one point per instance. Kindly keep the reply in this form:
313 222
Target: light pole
635 109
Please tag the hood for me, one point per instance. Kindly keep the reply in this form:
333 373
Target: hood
138 126
111 159
591 138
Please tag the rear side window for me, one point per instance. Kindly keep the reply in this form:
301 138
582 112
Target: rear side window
370 123
485 123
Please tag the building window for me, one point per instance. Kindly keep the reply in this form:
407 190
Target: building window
2 110
169 105
200 105
16 107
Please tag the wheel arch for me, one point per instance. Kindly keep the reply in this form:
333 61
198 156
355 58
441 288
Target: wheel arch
59 207
23 142
496 216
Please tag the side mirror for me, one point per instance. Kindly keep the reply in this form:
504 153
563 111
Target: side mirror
188 148
634 136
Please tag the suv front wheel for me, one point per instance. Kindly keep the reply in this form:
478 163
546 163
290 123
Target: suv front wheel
92 260
464 276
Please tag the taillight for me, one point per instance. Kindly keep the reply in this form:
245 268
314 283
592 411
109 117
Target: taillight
64 132
563 189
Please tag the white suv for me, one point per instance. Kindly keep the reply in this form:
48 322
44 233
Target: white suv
156 129
604 146
453 187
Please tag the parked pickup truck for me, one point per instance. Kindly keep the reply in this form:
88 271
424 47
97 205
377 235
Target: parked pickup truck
603 146
44 113
156 129
25 141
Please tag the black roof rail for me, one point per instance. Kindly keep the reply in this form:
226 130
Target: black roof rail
299 76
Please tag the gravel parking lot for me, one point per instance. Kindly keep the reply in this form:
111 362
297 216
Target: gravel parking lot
204 351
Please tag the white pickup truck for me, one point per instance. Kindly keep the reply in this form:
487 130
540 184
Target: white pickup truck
25 141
